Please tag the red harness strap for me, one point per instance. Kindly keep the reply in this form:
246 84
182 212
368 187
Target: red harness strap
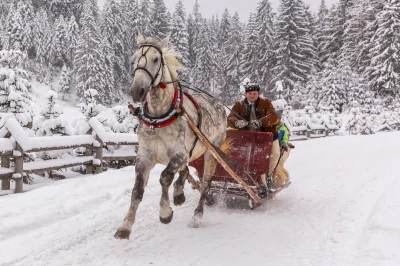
173 119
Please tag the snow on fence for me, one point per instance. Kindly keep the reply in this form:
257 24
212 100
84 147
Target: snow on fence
15 142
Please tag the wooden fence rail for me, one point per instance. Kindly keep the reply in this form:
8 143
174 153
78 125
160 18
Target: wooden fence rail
15 142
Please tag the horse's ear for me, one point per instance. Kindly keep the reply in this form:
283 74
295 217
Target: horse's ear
164 42
139 39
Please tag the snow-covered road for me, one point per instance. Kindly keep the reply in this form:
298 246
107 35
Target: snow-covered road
343 208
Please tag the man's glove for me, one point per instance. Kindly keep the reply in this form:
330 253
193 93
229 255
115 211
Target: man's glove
257 124
284 146
241 123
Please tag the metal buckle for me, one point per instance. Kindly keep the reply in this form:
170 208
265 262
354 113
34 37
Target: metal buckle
151 131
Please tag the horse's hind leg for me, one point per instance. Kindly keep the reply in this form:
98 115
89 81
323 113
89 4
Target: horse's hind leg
179 195
167 176
142 168
209 168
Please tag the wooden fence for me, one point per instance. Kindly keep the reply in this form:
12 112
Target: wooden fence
15 142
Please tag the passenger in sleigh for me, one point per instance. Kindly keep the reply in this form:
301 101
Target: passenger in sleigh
255 113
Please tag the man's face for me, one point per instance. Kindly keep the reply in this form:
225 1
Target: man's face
252 96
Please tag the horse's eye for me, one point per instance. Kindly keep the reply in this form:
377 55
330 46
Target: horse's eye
155 60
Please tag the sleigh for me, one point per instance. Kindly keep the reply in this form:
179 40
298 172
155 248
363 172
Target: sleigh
247 157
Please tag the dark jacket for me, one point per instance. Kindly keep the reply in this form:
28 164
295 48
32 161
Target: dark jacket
264 111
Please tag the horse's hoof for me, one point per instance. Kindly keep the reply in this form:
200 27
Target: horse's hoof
122 234
179 199
168 219
197 221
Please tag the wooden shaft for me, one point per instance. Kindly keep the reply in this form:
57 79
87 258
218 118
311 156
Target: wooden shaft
193 182
210 147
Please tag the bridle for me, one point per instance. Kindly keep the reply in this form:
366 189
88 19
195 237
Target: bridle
160 67
171 115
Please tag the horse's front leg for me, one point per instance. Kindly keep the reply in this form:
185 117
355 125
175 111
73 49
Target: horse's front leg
167 176
179 194
142 169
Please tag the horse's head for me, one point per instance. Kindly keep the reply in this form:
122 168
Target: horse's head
148 67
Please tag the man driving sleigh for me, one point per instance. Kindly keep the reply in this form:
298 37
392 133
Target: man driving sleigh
255 113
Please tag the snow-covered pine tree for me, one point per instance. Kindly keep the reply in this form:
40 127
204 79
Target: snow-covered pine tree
203 71
130 11
27 13
225 49
320 38
72 39
145 24
112 30
42 36
295 45
353 33
51 122
266 45
118 125
13 31
234 74
384 69
250 52
89 57
179 38
194 27
359 123
331 41
61 8
110 91
64 88
58 45
15 88
90 108
364 47
160 19
214 25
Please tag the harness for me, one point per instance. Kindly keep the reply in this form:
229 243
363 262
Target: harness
171 115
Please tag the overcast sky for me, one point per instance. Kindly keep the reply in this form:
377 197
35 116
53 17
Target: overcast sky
243 7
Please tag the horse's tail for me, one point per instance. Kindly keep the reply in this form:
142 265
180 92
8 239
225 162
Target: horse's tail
226 146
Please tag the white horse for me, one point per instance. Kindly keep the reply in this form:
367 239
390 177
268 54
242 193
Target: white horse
164 136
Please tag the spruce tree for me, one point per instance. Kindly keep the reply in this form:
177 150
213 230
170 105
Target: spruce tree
59 43
15 88
234 75
51 123
179 38
203 69
89 57
194 24
64 87
295 49
145 24
384 69
160 19
250 57
112 30
266 44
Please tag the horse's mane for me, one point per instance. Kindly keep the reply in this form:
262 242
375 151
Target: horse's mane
169 54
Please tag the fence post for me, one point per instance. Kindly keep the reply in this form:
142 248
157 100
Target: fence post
19 169
5 162
89 152
99 155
